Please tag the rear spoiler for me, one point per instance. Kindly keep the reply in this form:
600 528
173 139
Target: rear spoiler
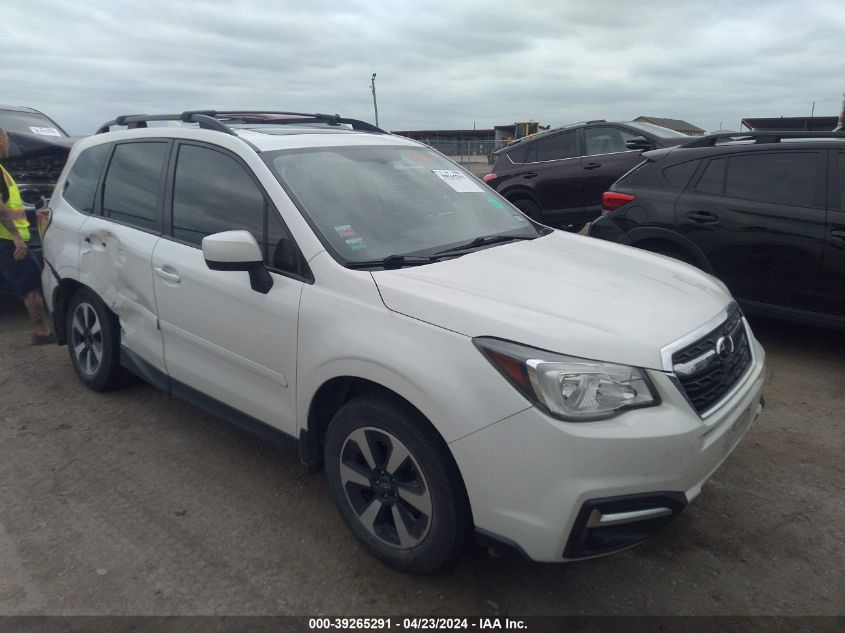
655 155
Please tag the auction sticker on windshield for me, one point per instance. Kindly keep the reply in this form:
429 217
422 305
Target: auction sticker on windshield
44 131
457 180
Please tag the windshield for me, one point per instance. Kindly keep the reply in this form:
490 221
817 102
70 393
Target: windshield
29 123
370 202
657 130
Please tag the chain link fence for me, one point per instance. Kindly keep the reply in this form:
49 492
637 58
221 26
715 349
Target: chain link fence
465 151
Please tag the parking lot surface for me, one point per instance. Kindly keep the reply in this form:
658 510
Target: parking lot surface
131 502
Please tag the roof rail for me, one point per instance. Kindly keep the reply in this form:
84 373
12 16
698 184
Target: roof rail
214 119
759 137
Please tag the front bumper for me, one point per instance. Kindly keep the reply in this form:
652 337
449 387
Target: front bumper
532 479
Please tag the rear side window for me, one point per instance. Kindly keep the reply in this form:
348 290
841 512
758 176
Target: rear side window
553 148
131 189
212 193
713 178
679 175
81 182
782 177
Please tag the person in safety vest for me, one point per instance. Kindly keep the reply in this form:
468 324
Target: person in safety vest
17 265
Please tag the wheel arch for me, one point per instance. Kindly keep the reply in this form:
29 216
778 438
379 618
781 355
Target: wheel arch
62 294
647 238
518 192
327 400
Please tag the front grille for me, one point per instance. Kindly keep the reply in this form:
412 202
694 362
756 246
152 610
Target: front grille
714 375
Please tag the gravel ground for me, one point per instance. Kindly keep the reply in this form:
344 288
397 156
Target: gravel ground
135 503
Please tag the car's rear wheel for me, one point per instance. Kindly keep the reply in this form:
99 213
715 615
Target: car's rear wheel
93 339
395 484
529 208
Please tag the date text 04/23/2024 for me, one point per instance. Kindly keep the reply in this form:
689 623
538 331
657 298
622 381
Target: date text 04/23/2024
415 624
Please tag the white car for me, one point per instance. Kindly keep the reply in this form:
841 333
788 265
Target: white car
453 365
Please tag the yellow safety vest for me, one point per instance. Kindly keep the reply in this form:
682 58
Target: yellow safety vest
16 210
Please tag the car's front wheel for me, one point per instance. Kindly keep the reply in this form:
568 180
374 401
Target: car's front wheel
395 484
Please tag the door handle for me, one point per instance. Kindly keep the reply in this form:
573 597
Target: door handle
172 277
703 217
838 234
87 240
530 174
591 166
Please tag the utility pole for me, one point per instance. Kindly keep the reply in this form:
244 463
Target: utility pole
375 103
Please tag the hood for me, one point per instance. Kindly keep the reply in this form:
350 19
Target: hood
37 159
564 293
26 145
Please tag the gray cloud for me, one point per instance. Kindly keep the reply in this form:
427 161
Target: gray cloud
439 65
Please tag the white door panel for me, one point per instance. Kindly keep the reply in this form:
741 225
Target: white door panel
115 261
226 340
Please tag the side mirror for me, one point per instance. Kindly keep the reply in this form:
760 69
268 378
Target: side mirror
641 144
237 250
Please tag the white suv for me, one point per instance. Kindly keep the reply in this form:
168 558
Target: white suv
453 365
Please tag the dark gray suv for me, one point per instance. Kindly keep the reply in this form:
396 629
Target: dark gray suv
38 150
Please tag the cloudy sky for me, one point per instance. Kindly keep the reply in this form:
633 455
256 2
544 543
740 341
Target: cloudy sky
439 64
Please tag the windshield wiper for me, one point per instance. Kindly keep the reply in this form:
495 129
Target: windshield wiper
392 262
484 240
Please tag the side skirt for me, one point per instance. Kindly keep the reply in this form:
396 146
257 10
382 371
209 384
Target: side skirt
273 436
793 314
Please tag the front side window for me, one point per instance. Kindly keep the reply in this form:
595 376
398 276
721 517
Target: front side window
81 182
131 190
370 202
611 140
782 177
212 193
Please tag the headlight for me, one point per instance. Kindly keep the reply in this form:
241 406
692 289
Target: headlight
572 389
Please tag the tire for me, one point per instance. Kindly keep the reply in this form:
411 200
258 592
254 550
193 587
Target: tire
396 485
529 208
93 342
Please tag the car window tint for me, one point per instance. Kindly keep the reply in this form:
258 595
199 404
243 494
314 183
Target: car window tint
131 189
81 182
680 174
782 177
842 181
212 192
520 153
530 155
608 140
282 252
555 147
713 178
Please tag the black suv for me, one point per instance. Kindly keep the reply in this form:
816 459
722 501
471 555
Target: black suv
763 211
558 177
